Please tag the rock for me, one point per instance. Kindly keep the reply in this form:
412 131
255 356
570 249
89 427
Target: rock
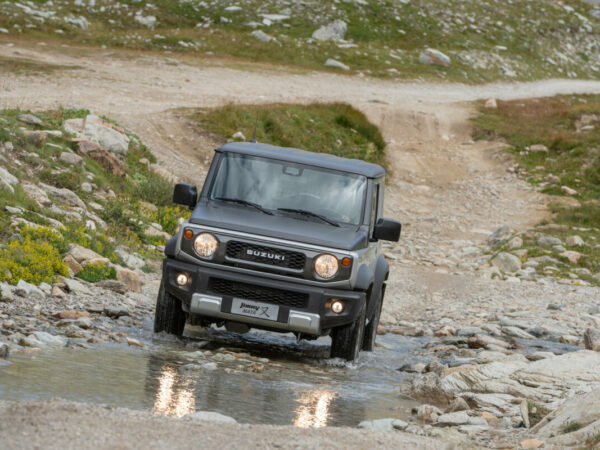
209 416
427 388
76 287
548 241
4 350
37 138
262 36
129 278
568 191
453 419
132 261
72 314
147 21
134 342
83 255
30 118
434 57
114 312
48 339
65 195
28 290
524 409
336 64
57 292
531 443
101 156
383 425
71 159
165 173
575 241
591 339
37 194
491 103
154 232
536 356
239 136
435 367
572 256
498 236
334 31
113 285
458 404
515 243
100 132
507 262
87 188
428 413
569 339
233 9
517 332
73 264
7 180
79 22
538 148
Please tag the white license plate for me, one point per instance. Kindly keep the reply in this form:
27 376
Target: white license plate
257 310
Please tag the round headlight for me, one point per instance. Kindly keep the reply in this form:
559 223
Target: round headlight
326 266
205 245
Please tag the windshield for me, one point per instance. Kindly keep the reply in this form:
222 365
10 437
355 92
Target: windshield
273 185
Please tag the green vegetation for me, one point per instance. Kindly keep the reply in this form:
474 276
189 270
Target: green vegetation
536 412
569 127
571 428
486 40
34 240
334 128
97 271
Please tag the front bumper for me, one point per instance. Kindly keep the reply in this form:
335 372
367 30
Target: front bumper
310 315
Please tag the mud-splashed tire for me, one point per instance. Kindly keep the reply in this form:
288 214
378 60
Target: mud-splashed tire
371 328
346 341
169 316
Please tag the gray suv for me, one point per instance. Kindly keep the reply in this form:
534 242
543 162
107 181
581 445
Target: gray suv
283 240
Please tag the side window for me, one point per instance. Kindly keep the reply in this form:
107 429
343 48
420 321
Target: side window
375 206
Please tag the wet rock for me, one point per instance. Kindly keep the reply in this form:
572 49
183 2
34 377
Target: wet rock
129 278
383 425
427 388
431 56
113 285
458 404
30 119
574 241
209 416
548 241
114 312
428 413
71 159
591 339
336 64
334 31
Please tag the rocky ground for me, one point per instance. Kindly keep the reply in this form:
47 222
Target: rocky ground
507 345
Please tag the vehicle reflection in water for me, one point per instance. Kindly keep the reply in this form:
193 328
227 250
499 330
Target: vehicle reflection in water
313 411
171 402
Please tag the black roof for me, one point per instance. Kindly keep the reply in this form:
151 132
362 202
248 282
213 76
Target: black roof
295 155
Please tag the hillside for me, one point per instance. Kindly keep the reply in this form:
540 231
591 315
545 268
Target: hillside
491 40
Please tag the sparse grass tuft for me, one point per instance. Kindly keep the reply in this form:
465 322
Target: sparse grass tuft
571 428
536 412
99 271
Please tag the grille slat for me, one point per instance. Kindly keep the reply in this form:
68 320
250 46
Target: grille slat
291 260
246 291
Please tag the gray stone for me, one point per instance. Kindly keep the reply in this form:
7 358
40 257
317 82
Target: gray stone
591 339
238 135
7 180
84 255
548 241
262 36
428 413
76 287
453 419
79 22
575 241
113 285
507 262
383 425
336 64
517 332
334 31
28 290
131 261
515 243
147 21
115 312
458 404
49 339
498 236
71 159
65 195
431 56
94 129
30 118
87 188
209 416
4 350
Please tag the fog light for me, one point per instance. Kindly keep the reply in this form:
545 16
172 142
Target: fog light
182 279
337 306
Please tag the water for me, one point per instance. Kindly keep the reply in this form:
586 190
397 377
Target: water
299 384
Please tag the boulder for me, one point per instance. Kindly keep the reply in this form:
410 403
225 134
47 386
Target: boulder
37 194
515 243
101 156
383 425
132 261
29 291
76 287
498 236
507 262
49 339
71 314
30 119
458 404
100 132
210 416
37 138
568 191
81 254
334 31
70 261
147 21
491 103
427 388
428 413
575 241
154 232
591 339
71 159
572 256
336 64
64 195
115 312
453 419
7 180
113 285
548 241
262 36
79 22
538 148
129 278
434 57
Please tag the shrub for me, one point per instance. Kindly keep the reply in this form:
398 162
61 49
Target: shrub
32 261
168 217
97 271
154 189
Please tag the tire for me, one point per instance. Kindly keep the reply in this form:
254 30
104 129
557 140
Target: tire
368 344
346 341
169 316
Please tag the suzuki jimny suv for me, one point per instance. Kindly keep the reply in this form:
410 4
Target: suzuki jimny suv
283 240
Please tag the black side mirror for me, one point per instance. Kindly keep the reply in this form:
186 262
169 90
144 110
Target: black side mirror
387 230
185 195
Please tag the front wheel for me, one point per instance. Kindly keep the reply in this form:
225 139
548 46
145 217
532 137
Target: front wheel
371 329
169 316
346 341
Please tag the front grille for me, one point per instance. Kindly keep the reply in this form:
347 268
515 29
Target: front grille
259 293
266 255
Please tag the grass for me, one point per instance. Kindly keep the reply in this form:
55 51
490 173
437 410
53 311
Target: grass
573 157
570 428
536 412
139 199
384 37
334 128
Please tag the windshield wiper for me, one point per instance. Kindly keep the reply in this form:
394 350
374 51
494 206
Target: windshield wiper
245 202
309 213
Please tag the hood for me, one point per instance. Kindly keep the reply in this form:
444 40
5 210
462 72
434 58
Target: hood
290 227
